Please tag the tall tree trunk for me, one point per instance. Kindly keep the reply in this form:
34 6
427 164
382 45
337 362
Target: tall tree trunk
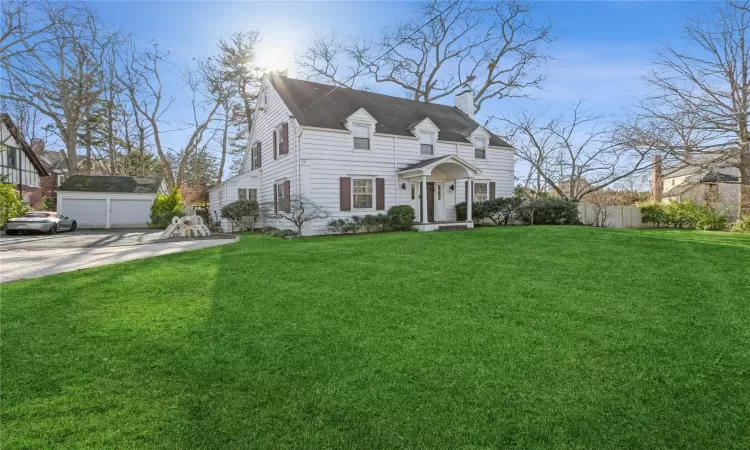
744 191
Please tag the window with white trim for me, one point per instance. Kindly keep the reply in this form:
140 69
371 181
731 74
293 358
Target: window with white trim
362 193
60 180
279 193
361 134
252 195
255 157
480 148
481 192
279 139
426 143
241 194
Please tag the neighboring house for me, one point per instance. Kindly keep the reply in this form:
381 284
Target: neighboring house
19 165
718 188
109 201
57 167
357 153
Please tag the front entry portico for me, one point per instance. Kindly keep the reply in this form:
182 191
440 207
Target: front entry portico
429 181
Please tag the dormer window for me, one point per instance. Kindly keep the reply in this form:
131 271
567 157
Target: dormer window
426 143
480 148
361 133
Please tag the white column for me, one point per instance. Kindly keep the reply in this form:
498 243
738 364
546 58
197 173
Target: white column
470 196
424 199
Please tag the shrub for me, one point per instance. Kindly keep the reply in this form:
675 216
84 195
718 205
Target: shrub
501 211
742 225
549 211
240 209
49 203
275 232
692 215
11 203
347 225
653 212
401 217
461 211
376 223
683 215
165 207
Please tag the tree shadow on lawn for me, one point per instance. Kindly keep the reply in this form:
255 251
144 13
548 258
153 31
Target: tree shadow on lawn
489 339
370 344
95 358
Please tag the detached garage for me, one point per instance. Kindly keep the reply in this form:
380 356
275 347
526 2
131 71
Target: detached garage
108 202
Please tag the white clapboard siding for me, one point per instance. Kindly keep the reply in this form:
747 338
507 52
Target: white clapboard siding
318 158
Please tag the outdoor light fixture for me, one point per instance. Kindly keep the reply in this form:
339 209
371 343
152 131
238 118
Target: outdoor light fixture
452 187
403 186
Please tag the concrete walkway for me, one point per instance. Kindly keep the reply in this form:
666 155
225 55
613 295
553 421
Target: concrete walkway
21 259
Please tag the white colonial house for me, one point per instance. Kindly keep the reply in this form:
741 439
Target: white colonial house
357 153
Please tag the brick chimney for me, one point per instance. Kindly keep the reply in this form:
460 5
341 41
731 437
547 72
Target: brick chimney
465 102
37 145
656 181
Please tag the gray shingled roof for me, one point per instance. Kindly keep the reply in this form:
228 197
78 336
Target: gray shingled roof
134 185
323 106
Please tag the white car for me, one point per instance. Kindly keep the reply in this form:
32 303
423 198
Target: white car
41 222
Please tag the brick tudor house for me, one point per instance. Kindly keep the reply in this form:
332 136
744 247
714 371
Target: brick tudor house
356 153
19 164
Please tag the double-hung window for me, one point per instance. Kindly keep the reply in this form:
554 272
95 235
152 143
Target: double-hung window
255 156
280 197
361 133
480 148
280 140
241 194
362 193
60 180
426 143
252 194
12 157
481 192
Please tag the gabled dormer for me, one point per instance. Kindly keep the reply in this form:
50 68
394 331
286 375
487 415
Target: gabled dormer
426 132
481 140
361 124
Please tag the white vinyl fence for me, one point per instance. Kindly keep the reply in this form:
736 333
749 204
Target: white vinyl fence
611 216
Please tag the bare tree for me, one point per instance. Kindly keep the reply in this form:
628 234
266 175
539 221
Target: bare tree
25 26
141 79
491 49
300 210
698 114
573 153
56 73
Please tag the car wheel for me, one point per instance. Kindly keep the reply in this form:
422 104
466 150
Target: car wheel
74 226
11 232
53 228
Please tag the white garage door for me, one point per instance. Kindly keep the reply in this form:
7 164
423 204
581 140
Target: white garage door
87 212
130 213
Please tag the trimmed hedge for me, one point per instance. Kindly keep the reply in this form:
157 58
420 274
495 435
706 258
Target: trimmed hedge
399 218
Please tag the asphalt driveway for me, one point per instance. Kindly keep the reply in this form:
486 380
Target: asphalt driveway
29 256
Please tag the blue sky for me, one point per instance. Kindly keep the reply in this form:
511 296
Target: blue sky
602 48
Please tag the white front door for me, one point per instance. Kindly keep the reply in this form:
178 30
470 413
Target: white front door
440 202
415 199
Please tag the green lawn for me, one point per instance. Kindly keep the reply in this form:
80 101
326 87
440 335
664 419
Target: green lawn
528 337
